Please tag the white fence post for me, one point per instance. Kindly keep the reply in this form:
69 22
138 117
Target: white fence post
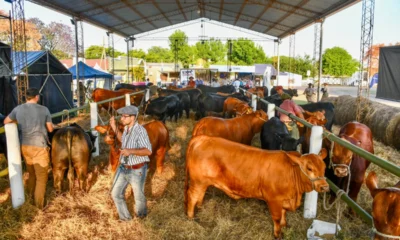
311 199
93 124
147 96
14 165
254 102
127 99
271 111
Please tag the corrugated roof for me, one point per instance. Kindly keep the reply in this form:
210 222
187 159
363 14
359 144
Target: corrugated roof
278 18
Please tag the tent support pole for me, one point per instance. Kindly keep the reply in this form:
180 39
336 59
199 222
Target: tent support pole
61 91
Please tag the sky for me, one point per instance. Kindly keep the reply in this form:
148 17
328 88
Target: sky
341 29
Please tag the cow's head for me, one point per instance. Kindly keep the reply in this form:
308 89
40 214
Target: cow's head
312 167
342 157
318 115
293 92
288 143
386 222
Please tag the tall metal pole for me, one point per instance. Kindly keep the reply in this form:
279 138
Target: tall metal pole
320 60
75 20
277 74
127 59
367 30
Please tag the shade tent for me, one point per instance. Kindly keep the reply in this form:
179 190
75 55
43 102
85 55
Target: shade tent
50 76
87 72
389 73
8 89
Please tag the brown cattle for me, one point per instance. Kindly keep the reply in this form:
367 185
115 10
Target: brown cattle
100 94
71 149
234 107
359 135
258 91
240 129
385 208
277 177
159 139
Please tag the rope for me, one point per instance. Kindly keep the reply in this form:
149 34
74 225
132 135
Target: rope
374 230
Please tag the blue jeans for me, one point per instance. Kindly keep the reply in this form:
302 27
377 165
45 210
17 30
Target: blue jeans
137 178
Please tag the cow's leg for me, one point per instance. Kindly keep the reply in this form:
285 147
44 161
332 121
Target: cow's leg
160 159
82 175
354 189
58 174
187 112
283 219
195 197
276 211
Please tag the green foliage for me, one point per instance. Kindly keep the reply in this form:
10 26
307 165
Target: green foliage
299 65
338 62
178 42
245 52
211 51
158 54
137 53
93 52
60 54
116 52
138 73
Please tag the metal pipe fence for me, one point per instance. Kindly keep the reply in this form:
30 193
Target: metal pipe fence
382 163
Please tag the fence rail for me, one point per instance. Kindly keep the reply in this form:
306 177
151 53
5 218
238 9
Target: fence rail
86 106
382 163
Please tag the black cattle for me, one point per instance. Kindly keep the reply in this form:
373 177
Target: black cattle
71 148
3 140
211 102
184 98
275 99
223 89
129 86
164 107
194 94
291 92
328 107
238 95
275 136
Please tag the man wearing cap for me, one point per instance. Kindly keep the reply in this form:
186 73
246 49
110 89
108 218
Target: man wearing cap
324 91
282 94
135 152
310 93
34 121
191 83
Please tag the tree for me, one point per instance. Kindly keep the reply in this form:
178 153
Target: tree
60 54
31 33
54 36
94 52
116 52
138 73
178 42
212 51
137 53
158 54
245 52
338 62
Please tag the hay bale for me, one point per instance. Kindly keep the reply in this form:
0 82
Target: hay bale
345 109
383 120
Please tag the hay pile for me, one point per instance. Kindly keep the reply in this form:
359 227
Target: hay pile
383 120
93 215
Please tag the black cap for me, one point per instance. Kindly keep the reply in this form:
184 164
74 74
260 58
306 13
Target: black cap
32 92
191 77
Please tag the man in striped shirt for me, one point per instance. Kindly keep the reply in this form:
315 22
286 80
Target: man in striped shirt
135 152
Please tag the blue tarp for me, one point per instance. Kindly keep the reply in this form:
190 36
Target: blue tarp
36 61
374 80
86 71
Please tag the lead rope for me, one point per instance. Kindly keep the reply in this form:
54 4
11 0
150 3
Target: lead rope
339 193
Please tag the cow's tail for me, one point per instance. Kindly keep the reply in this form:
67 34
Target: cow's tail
372 183
186 180
70 167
